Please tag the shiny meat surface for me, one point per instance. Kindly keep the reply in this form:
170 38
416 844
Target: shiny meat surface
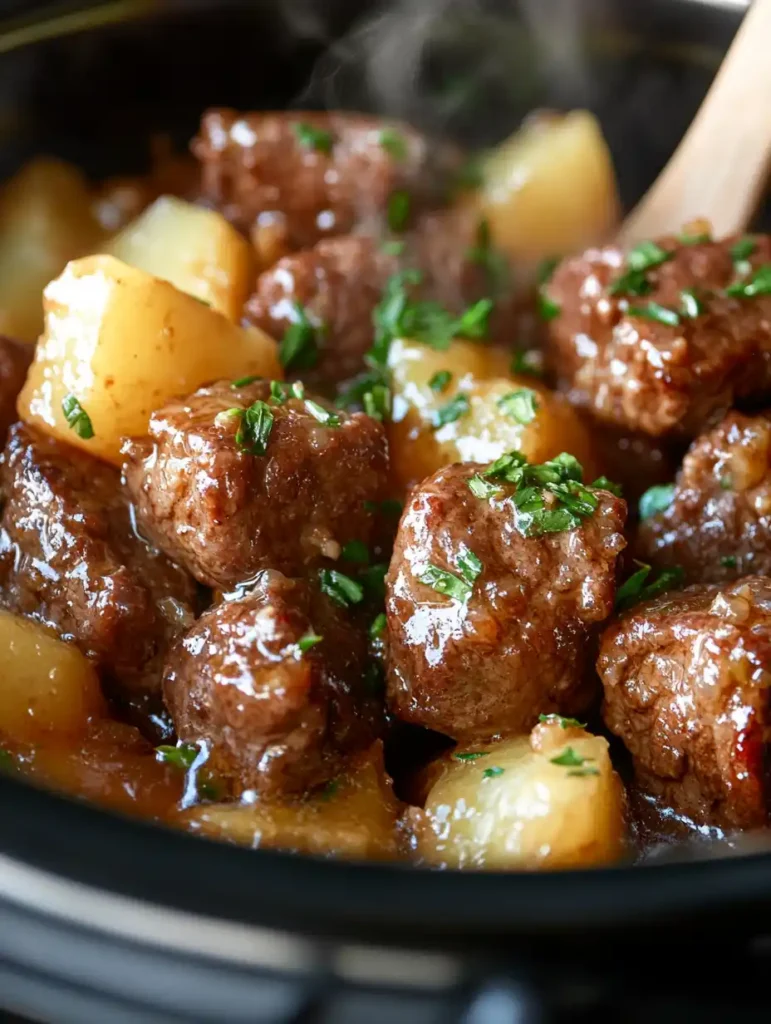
15 358
521 644
686 680
718 525
71 558
661 378
226 514
304 176
278 719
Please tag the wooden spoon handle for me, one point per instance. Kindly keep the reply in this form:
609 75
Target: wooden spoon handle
720 168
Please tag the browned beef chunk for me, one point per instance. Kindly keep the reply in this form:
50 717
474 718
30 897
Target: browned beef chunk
70 557
686 680
718 524
305 176
632 370
226 513
278 714
15 358
518 642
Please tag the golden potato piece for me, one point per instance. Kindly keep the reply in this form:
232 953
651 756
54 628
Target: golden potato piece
355 816
122 342
45 220
549 189
485 431
192 248
550 800
47 687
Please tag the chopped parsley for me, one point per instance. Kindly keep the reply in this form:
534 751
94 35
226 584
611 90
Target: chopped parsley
452 411
547 308
298 389
640 259
393 246
521 405
254 429
394 143
636 588
370 382
758 284
726 482
342 589
562 721
279 392
440 380
492 773
313 138
182 756
324 416
243 382
728 561
473 322
472 755
743 249
356 551
653 311
378 626
570 759
691 305
656 499
447 583
309 640
482 488
545 269
527 362
77 418
299 349
377 402
603 484
485 255
398 213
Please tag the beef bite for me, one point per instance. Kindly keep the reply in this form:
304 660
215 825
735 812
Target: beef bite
666 339
275 683
306 176
717 524
493 601
70 558
232 481
686 681
15 358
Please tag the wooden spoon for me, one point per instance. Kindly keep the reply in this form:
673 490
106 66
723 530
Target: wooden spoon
720 169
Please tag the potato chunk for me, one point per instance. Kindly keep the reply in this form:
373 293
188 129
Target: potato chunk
45 220
550 800
486 430
353 816
46 686
550 188
122 342
192 248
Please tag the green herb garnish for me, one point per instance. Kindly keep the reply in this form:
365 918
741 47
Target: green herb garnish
452 411
492 773
447 583
355 551
373 578
758 284
485 255
398 213
279 392
182 756
393 247
472 755
690 304
521 405
297 389
309 640
636 588
528 362
728 561
547 308
342 589
639 260
743 249
243 382
726 482
377 402
378 626
653 311
440 380
324 416
394 143
656 499
77 418
562 721
482 488
299 346
603 484
545 269
694 239
254 429
313 138
569 759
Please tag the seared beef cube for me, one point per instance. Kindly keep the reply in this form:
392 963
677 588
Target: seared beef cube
305 175
15 358
227 496
490 620
718 524
686 680
71 558
667 350
278 708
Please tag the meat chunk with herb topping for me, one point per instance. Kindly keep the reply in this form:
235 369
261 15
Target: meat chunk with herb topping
715 522
687 683
275 683
236 479
666 339
71 558
499 580
306 176
15 358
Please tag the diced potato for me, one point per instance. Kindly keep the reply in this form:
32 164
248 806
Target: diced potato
550 800
47 687
123 342
485 432
112 766
549 189
45 220
354 816
192 248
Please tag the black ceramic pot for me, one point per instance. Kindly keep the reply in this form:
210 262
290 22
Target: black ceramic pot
108 920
